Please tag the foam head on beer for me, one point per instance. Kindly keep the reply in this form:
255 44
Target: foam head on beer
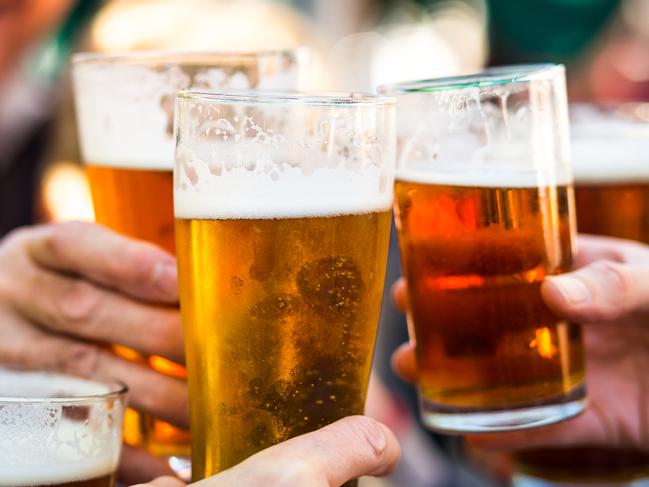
57 430
609 143
246 161
124 103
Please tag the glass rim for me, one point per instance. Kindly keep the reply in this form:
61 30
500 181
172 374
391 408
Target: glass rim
304 98
116 388
168 56
494 76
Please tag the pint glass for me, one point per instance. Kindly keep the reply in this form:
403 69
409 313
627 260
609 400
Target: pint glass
484 211
125 109
58 430
283 207
611 168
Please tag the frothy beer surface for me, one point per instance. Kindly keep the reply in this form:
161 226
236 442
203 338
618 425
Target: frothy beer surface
41 444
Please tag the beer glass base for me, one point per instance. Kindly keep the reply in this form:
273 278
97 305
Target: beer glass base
522 480
462 422
182 467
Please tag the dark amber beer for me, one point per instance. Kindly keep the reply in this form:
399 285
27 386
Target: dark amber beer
282 229
58 430
125 118
466 250
484 210
611 169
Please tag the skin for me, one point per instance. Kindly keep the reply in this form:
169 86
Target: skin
339 452
609 294
67 290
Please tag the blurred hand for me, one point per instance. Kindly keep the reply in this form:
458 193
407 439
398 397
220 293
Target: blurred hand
329 457
67 290
609 293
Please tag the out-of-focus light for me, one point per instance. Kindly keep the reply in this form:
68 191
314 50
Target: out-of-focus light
450 40
66 194
197 24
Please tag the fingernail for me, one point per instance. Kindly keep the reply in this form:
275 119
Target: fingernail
573 289
165 277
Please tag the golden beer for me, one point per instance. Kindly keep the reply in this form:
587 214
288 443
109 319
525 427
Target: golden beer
474 258
280 318
282 205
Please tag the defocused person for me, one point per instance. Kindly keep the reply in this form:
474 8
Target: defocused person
342 451
28 93
609 293
68 289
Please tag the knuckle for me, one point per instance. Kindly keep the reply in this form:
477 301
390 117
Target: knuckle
79 358
614 284
62 234
370 434
79 302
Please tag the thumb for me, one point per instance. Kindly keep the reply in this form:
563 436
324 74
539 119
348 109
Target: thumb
601 291
347 449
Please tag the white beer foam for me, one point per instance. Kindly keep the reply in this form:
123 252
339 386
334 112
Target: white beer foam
508 178
610 160
45 470
120 114
240 193
39 445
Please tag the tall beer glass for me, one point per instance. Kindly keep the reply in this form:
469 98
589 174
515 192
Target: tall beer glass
611 167
58 430
283 207
484 210
125 106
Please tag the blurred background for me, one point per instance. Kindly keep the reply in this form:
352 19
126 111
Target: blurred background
358 45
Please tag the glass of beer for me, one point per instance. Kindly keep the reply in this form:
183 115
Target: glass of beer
59 430
611 167
484 211
125 106
283 208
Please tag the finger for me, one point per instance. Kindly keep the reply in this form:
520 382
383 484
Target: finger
162 396
136 465
344 450
163 482
80 308
404 363
593 247
400 294
601 291
134 267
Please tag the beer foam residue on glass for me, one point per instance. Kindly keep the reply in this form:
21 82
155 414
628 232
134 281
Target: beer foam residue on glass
40 444
125 111
608 147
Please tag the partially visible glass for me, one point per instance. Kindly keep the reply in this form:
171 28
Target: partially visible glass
283 208
58 430
484 210
125 105
611 167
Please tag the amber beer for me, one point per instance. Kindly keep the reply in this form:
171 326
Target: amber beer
285 312
474 257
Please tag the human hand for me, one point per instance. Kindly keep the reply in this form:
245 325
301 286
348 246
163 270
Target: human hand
329 457
609 293
68 290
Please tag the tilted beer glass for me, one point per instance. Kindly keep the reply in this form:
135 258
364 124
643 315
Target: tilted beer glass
484 211
125 108
283 207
